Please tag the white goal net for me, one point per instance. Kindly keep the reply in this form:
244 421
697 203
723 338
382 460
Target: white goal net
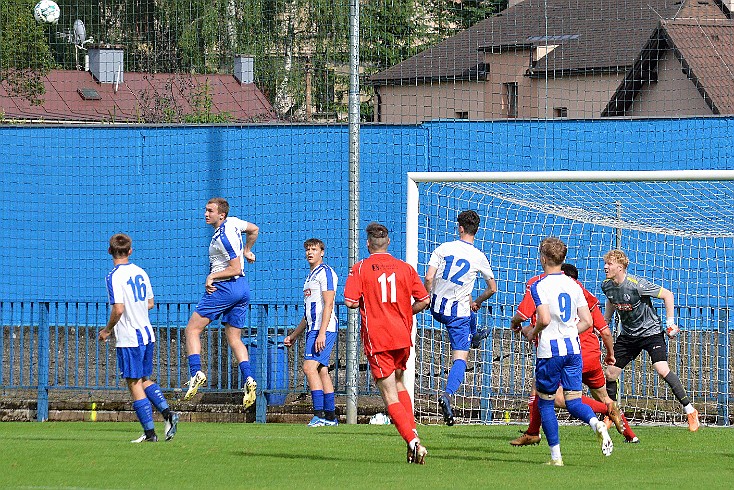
676 227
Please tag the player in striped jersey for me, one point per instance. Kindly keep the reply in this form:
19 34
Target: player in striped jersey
131 296
561 312
319 291
227 294
641 328
452 271
592 373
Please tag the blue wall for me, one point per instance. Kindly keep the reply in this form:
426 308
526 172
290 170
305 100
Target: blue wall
66 190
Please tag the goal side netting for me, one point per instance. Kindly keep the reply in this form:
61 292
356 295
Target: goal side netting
677 228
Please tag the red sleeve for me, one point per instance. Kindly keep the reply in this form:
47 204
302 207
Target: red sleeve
353 286
526 308
598 317
418 289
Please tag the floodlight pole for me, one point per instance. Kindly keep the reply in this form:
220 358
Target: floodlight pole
352 381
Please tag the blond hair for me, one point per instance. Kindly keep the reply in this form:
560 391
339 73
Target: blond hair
617 256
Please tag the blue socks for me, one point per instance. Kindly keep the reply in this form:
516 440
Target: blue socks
318 399
155 396
549 421
580 410
144 411
456 376
194 364
329 404
245 371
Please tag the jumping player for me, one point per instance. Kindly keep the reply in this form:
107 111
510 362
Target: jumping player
227 294
450 278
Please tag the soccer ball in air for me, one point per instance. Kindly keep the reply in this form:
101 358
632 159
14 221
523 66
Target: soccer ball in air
47 12
380 419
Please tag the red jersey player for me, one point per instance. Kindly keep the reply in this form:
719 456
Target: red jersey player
384 288
593 374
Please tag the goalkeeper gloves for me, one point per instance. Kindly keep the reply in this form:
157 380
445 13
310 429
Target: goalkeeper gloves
671 328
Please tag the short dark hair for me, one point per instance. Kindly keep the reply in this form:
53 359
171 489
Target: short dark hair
377 235
469 220
313 242
120 245
554 250
570 270
222 205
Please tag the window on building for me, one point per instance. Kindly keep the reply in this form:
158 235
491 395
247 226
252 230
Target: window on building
510 97
462 115
560 112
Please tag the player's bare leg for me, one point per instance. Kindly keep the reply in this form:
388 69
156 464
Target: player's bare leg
194 328
234 339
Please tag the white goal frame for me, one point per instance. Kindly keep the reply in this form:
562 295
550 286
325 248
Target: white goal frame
413 202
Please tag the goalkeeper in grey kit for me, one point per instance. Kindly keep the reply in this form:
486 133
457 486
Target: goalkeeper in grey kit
641 328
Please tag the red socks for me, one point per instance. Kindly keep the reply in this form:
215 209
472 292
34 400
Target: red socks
407 404
534 426
596 406
403 421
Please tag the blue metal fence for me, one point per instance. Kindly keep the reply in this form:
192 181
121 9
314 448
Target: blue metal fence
53 346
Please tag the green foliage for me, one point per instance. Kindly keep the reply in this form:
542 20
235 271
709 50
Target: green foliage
25 57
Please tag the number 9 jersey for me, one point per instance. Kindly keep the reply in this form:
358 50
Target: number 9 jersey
129 285
457 264
563 297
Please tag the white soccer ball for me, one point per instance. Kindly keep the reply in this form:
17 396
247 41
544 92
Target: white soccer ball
47 12
380 419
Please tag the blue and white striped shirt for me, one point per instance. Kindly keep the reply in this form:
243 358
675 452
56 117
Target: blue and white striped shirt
227 244
322 278
563 297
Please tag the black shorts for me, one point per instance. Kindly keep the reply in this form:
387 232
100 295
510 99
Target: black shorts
627 348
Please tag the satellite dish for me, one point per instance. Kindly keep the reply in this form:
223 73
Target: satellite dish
80 33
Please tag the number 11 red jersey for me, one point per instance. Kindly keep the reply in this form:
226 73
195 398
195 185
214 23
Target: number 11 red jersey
385 288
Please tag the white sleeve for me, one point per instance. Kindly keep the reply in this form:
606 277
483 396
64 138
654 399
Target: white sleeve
485 269
118 289
149 288
240 224
436 258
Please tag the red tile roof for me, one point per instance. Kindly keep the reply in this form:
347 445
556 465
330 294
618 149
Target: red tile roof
704 48
141 97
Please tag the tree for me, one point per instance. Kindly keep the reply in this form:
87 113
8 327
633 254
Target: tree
25 57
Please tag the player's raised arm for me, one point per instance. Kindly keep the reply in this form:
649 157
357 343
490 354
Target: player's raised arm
251 233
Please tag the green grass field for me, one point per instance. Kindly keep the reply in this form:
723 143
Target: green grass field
99 455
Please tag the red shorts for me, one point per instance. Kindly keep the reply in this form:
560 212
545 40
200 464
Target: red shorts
383 364
593 375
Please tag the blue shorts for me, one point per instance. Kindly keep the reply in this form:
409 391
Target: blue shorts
558 371
459 328
229 301
322 357
135 362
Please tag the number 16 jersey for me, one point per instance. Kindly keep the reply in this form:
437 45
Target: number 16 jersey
457 264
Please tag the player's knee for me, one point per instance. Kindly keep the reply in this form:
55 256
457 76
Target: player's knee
611 373
546 396
571 395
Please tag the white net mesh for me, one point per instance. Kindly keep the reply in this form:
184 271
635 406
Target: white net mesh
677 234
